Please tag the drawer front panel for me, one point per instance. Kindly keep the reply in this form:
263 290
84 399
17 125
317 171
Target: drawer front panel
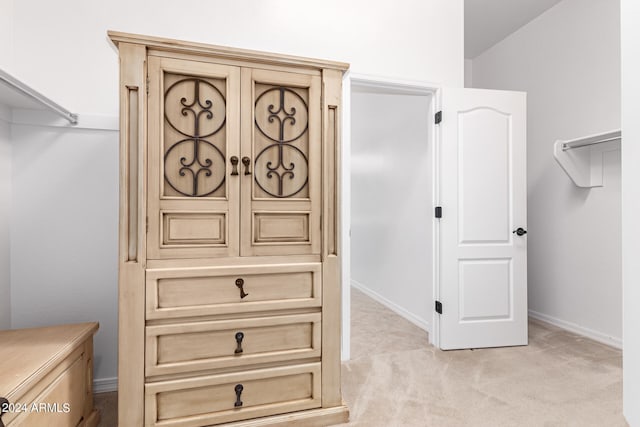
223 290
61 404
230 397
219 344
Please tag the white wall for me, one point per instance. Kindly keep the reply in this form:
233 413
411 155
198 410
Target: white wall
5 214
6 34
468 73
377 37
6 57
61 49
631 207
64 233
391 201
568 61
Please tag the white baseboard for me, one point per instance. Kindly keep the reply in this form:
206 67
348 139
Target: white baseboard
104 385
420 323
577 329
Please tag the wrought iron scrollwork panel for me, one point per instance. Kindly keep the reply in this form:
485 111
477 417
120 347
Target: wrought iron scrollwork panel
190 159
281 167
194 166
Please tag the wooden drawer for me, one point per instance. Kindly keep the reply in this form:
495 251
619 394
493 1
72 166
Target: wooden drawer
195 346
194 402
47 376
61 404
216 290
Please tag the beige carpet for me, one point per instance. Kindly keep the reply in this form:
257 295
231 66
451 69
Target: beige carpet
395 378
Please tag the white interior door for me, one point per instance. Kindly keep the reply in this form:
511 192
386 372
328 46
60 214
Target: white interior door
483 194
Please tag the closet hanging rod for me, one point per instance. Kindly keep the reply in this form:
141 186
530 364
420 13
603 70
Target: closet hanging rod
592 140
38 97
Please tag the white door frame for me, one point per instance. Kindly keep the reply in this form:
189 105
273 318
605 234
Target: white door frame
399 87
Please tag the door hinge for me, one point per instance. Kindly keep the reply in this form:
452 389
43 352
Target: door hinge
147 84
438 117
438 211
146 224
438 307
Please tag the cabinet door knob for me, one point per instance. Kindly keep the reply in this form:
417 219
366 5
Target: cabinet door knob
247 165
238 388
239 338
234 165
240 284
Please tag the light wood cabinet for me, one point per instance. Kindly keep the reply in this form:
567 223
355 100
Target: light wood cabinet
46 376
229 286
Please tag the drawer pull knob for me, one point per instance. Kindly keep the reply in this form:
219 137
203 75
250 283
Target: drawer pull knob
239 338
4 407
238 389
240 284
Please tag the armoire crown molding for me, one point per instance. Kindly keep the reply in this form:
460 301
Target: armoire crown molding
223 52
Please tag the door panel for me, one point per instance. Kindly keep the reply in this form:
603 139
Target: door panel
483 277
194 131
281 149
485 289
484 134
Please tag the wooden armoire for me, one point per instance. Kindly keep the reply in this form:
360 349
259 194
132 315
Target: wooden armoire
229 278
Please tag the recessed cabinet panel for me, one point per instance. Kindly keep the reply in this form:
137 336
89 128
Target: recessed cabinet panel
186 228
281 227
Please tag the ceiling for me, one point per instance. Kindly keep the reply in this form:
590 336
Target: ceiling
486 22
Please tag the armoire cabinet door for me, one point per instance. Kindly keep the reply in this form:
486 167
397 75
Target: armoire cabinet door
281 163
193 169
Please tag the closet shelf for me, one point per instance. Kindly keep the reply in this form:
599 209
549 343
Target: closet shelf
582 158
16 94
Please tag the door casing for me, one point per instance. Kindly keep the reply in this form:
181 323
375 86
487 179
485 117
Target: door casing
395 86
399 87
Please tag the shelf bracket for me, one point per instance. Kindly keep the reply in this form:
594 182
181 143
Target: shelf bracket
582 158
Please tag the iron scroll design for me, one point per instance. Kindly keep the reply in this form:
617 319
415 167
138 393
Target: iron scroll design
201 123
283 141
